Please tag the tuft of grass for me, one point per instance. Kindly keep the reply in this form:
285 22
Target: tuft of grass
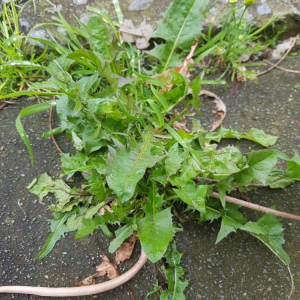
19 65
236 43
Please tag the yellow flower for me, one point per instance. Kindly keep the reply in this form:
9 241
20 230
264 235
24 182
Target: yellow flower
220 50
249 2
232 1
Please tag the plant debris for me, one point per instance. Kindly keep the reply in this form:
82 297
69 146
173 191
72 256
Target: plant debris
107 268
125 250
139 35
219 109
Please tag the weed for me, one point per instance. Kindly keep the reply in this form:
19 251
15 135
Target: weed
18 68
120 116
236 42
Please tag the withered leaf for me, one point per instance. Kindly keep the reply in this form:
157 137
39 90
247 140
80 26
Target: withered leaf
179 125
184 68
106 268
219 109
282 48
86 281
103 210
125 250
139 35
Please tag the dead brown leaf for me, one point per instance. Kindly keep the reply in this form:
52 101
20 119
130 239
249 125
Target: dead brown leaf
86 281
105 208
219 109
179 125
106 268
240 75
139 35
166 77
189 59
125 250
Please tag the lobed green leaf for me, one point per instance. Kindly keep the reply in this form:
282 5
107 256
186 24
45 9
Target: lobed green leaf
58 229
127 166
155 232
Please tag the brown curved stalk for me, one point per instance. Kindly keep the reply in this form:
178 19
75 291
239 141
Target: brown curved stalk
3 105
280 68
50 126
78 291
281 59
257 207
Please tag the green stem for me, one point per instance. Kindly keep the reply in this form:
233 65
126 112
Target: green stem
293 283
246 6
172 121
264 27
233 13
208 9
223 74
162 136
172 197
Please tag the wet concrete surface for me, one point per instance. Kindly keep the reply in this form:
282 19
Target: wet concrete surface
23 220
239 267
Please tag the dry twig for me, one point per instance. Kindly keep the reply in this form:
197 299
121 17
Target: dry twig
257 207
3 105
282 58
280 68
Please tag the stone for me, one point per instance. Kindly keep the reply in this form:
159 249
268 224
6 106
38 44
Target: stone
43 12
137 5
261 11
152 10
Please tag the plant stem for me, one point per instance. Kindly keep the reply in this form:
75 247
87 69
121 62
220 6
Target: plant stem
173 120
233 13
242 16
257 207
78 291
226 70
211 6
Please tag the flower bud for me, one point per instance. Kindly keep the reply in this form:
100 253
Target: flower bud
232 1
249 2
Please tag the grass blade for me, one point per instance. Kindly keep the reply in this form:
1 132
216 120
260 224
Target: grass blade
25 112
157 112
28 93
160 98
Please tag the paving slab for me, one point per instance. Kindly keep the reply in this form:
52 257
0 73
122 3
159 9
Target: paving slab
23 220
240 267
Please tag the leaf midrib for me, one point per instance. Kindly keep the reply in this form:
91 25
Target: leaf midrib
137 159
177 39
